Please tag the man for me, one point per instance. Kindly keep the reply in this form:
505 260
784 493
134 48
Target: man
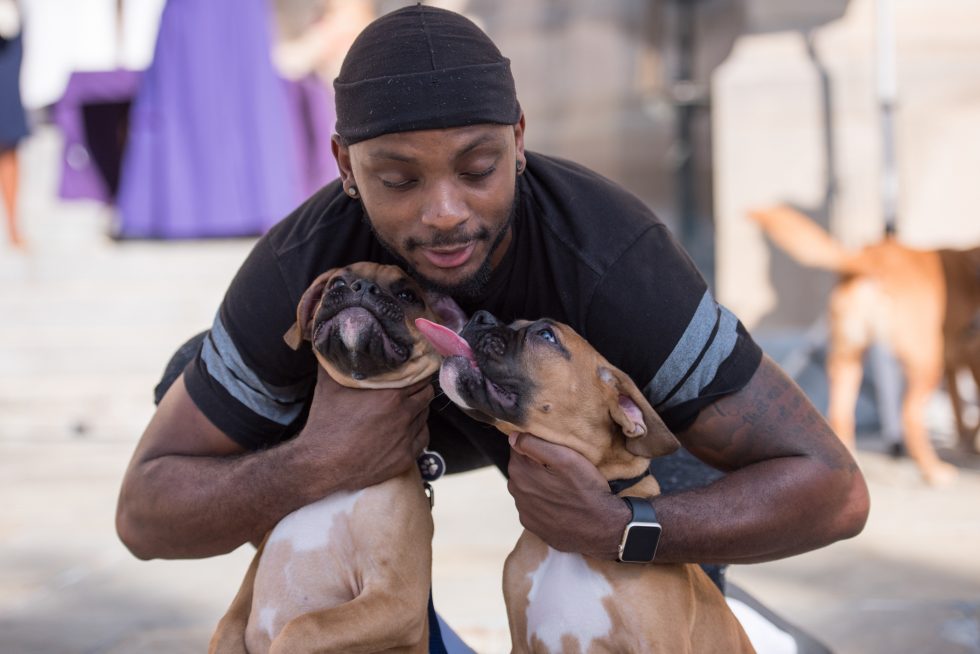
434 177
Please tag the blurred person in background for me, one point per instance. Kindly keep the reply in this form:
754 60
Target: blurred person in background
317 44
13 119
219 143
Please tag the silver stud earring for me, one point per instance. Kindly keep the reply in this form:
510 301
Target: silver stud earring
352 191
520 166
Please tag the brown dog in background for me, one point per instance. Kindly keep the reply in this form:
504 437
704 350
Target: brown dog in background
923 304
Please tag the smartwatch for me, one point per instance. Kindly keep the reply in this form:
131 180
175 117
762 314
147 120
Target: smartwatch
642 534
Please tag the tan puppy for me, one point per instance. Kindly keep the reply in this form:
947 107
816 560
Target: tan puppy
923 304
542 378
351 572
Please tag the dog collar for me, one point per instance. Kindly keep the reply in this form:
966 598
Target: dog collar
617 486
432 466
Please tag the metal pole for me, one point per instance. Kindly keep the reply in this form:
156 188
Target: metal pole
688 98
887 90
885 368
120 14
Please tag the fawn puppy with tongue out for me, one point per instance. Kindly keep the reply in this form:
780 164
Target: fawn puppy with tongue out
542 378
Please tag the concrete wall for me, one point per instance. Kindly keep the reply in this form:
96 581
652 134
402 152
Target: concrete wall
595 80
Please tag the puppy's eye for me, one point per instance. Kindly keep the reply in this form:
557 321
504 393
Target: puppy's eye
337 282
548 335
408 295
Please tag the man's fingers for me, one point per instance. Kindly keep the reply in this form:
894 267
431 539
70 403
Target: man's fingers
420 428
421 445
561 461
323 377
423 390
539 450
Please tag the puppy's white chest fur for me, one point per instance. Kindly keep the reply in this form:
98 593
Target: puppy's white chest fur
299 571
566 601
309 527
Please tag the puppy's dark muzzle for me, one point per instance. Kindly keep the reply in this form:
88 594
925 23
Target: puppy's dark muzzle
482 319
495 386
362 293
361 287
487 335
495 345
360 328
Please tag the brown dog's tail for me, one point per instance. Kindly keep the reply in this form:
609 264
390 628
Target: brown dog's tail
805 241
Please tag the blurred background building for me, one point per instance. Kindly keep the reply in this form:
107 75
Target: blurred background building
705 109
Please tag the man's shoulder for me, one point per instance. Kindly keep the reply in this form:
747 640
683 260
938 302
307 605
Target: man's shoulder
589 214
327 231
310 223
572 183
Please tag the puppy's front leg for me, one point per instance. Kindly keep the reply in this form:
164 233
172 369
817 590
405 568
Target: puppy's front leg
229 637
376 621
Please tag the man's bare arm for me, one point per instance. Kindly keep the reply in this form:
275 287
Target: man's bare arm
792 486
190 491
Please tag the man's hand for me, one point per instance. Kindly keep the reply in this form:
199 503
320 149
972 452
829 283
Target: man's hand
355 438
563 499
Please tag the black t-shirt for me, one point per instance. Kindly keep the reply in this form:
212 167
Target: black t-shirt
584 252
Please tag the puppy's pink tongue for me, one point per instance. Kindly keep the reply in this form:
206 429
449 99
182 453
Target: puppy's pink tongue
446 342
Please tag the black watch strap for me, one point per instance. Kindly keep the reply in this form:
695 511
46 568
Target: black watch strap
642 509
642 534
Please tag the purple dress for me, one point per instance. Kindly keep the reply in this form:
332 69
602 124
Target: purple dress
219 145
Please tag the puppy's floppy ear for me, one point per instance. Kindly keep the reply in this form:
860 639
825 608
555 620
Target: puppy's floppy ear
646 434
446 309
300 330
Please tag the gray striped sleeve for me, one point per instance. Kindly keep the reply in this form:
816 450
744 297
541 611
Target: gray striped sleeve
708 340
281 404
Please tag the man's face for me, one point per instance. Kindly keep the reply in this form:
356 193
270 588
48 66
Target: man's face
440 200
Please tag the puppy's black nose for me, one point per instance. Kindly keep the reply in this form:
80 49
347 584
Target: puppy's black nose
362 286
484 319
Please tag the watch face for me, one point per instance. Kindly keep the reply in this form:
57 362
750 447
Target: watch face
641 542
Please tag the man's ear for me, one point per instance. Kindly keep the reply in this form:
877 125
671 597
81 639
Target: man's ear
341 154
646 434
446 310
519 128
300 330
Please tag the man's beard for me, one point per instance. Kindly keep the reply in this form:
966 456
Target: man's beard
472 287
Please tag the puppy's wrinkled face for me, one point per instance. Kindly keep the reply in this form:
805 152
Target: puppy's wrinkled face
543 378
361 321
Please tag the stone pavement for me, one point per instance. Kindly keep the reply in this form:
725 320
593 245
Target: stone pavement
86 326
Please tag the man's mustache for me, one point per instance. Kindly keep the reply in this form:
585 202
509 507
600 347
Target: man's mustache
448 239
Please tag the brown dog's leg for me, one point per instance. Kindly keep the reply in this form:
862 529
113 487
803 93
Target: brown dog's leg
381 620
851 327
965 434
844 383
922 381
519 567
969 357
229 637
974 360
